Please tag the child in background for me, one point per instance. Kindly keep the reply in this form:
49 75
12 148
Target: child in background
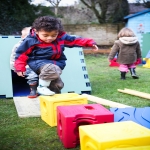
43 51
30 74
129 52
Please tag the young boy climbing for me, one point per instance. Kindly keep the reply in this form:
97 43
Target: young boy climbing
43 50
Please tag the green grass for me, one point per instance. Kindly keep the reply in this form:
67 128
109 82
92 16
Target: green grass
105 81
34 134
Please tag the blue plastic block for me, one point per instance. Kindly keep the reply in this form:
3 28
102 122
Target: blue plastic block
138 115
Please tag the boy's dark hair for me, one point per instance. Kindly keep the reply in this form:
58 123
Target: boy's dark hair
47 23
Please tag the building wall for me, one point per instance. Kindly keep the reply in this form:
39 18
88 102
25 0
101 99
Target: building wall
103 34
141 26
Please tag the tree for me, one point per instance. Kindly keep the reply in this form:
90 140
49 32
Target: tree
108 10
43 11
99 7
120 9
55 3
145 3
16 15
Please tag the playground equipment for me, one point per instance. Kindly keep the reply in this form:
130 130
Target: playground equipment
104 101
48 105
69 118
145 44
135 93
114 63
125 134
138 115
74 75
147 60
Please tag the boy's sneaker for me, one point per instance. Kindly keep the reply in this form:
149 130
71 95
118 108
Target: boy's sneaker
44 90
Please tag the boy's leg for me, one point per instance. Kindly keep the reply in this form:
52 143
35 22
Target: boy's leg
32 81
56 85
48 73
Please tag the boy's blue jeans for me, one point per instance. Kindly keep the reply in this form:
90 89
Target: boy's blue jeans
31 76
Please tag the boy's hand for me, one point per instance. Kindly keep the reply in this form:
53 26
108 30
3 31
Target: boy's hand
94 48
21 74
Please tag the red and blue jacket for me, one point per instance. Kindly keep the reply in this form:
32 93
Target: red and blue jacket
36 53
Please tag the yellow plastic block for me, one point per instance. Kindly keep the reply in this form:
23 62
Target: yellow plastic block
113 135
48 105
132 148
147 65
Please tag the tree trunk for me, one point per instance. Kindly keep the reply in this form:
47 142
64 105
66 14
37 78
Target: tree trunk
56 10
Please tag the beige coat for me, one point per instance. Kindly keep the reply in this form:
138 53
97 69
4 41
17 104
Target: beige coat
127 50
13 54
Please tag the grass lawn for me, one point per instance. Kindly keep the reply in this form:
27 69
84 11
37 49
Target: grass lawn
34 134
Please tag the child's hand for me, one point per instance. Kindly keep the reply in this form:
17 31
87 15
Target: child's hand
94 48
21 74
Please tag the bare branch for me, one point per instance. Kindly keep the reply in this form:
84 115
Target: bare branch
86 4
103 7
54 2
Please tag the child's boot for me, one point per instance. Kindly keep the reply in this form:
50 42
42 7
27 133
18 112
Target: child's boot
133 73
33 92
43 87
123 75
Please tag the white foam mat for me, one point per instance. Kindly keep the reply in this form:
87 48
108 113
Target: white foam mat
27 107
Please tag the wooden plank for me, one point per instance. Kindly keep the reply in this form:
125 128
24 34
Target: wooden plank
100 51
105 102
27 107
135 93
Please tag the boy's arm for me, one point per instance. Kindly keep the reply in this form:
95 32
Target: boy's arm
76 41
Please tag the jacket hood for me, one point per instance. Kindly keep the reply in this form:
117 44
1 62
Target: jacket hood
128 40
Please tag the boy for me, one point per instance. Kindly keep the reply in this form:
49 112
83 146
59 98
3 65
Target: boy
43 50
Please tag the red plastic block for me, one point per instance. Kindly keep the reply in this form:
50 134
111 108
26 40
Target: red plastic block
69 118
114 63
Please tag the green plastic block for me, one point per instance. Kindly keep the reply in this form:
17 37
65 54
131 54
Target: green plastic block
6 45
145 44
75 75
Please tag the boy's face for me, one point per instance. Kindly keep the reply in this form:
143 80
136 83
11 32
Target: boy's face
46 36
